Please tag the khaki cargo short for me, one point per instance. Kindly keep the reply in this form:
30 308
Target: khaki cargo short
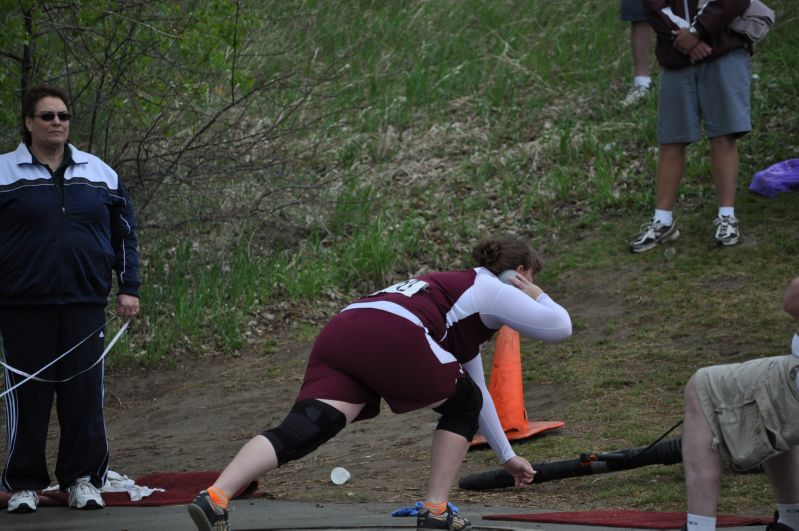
752 408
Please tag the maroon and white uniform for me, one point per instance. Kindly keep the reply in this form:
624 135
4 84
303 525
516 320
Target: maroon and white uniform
409 343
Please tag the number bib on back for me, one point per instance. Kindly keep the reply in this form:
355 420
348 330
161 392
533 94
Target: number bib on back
408 288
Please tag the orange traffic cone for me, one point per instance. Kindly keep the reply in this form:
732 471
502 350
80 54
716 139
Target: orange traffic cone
508 392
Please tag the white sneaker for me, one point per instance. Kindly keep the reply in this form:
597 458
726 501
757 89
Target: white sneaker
84 495
726 230
636 94
23 501
652 234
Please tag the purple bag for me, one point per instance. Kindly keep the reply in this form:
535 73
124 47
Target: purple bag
781 177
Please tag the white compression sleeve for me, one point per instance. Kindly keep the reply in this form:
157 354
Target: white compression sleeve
490 426
502 304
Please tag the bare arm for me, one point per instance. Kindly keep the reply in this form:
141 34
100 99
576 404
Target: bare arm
791 304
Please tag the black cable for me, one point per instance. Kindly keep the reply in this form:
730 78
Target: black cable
642 452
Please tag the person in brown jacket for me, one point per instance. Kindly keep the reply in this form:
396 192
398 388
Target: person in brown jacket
705 81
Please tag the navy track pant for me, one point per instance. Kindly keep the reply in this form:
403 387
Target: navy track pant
33 336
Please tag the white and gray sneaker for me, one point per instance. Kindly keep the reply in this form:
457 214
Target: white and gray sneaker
652 234
726 230
84 495
23 501
636 94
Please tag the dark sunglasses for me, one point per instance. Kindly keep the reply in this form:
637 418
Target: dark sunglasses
50 116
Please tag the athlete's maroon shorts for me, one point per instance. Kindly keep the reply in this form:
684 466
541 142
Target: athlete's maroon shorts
364 355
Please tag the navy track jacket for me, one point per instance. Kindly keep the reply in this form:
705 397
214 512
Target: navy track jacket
54 252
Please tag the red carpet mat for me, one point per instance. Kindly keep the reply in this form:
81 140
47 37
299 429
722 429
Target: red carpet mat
181 488
624 518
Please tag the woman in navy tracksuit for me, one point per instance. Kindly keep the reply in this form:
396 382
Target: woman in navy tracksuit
65 223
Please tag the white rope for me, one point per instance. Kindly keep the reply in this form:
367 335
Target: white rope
33 376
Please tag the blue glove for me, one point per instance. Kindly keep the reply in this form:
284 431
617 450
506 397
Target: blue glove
408 511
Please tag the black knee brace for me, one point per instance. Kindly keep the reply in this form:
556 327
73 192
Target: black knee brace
309 424
461 412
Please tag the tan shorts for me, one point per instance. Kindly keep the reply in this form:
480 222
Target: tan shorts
752 408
